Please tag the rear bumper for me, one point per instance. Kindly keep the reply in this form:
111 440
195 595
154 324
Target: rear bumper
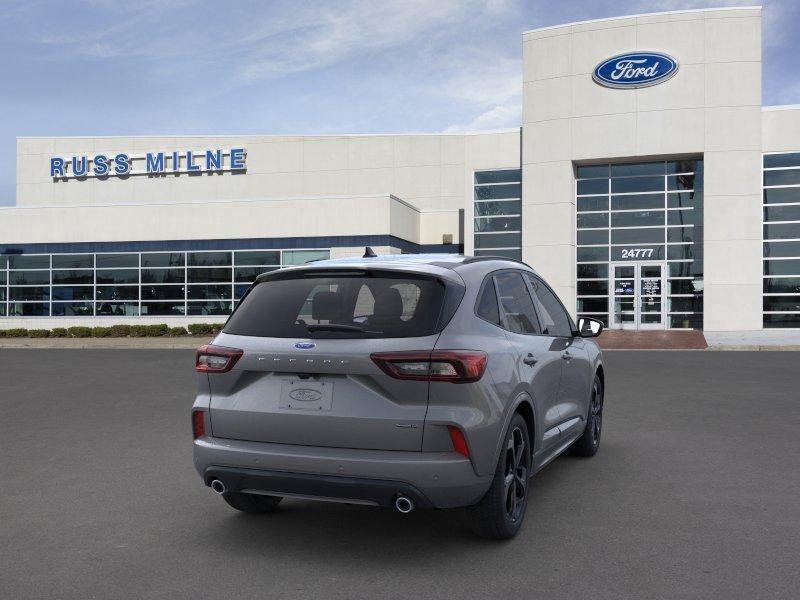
432 479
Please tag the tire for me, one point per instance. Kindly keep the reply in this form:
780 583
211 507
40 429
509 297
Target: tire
251 503
500 513
589 442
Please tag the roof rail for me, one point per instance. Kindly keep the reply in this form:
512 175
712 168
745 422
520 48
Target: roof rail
472 259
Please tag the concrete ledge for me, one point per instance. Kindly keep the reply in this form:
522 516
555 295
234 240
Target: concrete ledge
109 343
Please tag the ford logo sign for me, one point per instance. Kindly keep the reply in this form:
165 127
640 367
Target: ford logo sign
635 70
305 345
305 395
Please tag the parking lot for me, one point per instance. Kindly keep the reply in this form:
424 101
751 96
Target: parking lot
695 494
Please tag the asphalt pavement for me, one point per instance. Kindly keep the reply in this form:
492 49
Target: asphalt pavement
695 493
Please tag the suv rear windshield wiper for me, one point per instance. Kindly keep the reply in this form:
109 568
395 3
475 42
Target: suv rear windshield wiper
337 327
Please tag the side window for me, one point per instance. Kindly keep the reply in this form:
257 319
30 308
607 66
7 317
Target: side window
487 303
555 320
516 306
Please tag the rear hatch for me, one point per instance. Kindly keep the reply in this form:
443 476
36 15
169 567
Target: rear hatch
305 375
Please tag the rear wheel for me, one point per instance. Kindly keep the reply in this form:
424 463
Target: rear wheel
500 512
589 442
251 503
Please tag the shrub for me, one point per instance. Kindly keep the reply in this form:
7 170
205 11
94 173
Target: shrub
120 330
101 332
138 330
216 328
157 330
16 332
59 332
80 332
38 333
2 333
177 331
201 328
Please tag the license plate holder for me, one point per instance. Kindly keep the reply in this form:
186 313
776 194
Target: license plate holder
299 394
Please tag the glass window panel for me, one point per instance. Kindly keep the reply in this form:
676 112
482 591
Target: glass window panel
516 305
162 308
494 192
679 252
73 277
639 252
209 275
782 195
782 231
685 286
684 199
648 168
593 288
2 277
589 254
782 303
587 171
592 236
684 166
592 304
2 294
686 321
592 186
637 219
487 308
73 261
300 257
209 308
780 249
774 321
694 304
681 269
782 285
209 292
2 310
113 261
637 201
257 257
163 276
597 203
684 182
249 274
117 309
592 220
29 277
239 290
209 259
500 207
162 292
787 177
637 236
84 292
163 259
118 292
782 267
3 262
28 309
680 234
29 293
498 224
684 217
592 271
782 213
72 309
498 176
24 261
117 276
512 253
497 240
636 184
789 159
555 320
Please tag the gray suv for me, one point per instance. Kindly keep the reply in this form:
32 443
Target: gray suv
431 381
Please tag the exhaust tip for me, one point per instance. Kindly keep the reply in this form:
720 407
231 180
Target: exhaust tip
218 487
404 504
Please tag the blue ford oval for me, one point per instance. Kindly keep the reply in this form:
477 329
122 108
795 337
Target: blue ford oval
635 70
305 345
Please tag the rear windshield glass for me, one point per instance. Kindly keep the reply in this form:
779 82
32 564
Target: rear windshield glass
340 306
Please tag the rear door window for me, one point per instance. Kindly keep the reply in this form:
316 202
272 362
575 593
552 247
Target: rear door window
516 307
340 306
486 308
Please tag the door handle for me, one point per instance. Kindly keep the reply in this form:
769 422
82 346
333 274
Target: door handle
566 355
530 360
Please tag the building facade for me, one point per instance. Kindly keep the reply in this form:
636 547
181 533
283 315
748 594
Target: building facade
647 183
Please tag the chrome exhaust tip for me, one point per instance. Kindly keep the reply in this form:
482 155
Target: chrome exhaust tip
404 505
218 487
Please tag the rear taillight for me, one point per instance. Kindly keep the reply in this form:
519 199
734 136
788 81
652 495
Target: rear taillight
456 366
458 439
216 359
198 423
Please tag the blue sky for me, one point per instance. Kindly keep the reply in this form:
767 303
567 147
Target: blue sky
105 67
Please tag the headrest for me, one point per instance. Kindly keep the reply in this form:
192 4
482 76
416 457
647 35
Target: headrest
326 306
388 303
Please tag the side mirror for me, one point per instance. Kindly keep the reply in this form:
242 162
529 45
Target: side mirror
589 328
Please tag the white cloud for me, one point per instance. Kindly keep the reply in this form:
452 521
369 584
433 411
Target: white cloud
497 117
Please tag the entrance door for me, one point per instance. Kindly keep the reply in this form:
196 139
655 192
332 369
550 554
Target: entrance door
637 295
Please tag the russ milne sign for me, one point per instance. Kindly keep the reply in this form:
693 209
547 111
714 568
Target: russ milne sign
635 70
150 163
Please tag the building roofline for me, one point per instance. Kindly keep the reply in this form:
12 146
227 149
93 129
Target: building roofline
781 107
652 14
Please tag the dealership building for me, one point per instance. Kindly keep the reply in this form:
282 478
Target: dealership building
647 184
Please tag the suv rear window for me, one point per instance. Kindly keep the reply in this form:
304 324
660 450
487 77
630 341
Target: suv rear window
370 305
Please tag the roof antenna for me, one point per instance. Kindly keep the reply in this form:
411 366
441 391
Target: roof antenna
369 253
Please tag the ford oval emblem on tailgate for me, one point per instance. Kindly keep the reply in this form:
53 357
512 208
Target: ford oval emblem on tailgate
305 395
305 345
